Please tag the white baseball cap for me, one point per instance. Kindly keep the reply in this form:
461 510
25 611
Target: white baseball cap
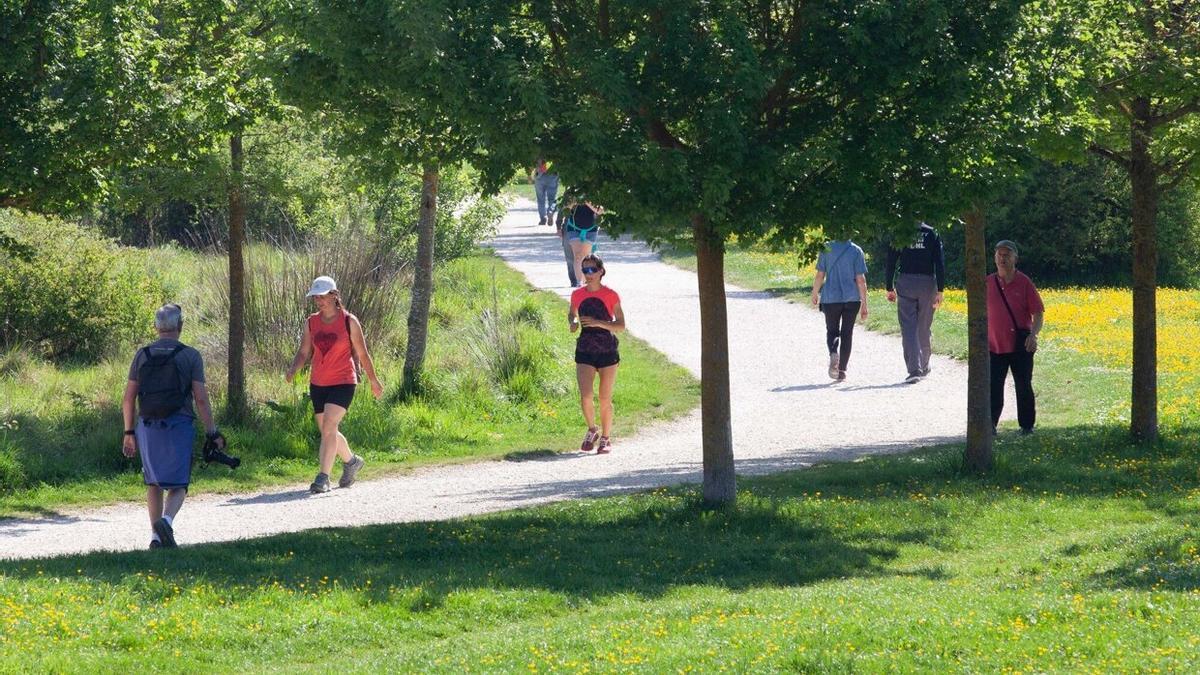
321 286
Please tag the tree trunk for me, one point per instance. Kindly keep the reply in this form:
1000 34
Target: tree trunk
720 486
422 288
978 455
235 402
1143 178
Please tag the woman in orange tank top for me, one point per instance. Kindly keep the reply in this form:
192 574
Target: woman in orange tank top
332 339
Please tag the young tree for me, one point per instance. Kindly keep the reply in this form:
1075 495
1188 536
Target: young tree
719 118
1131 94
411 83
79 96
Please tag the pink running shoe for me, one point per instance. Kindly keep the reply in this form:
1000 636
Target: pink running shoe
604 447
589 439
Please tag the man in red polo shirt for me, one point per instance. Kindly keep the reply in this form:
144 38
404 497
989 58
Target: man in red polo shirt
1015 313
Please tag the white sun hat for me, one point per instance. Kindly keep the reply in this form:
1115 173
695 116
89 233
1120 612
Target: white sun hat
321 286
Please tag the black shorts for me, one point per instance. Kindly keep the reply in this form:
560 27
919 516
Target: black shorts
337 394
601 360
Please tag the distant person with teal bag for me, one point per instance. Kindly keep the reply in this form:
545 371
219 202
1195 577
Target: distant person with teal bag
840 291
581 230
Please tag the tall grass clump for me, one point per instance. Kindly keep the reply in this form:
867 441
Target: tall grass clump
370 278
70 293
511 346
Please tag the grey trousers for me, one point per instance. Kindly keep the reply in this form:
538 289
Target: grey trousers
914 308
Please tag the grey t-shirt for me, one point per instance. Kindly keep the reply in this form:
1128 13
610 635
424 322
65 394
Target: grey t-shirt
842 263
188 361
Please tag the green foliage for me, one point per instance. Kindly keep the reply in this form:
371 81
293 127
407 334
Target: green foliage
78 295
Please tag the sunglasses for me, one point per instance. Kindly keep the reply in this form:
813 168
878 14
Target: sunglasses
590 270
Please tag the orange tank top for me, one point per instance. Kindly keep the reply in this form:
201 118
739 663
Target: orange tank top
332 363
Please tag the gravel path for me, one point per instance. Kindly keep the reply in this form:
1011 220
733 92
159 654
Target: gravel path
786 415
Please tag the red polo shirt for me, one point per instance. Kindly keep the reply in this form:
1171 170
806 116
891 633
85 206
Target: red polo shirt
1024 300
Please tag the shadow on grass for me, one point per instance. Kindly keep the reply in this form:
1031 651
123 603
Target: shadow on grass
837 521
588 549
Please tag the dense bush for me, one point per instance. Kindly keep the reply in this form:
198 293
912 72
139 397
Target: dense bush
69 293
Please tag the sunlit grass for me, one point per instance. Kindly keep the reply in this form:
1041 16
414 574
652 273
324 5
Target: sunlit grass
1079 553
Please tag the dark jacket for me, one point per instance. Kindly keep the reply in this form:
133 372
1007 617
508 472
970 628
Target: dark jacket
923 256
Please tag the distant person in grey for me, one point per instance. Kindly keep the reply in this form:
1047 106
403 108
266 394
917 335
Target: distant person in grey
164 392
840 291
915 277
545 187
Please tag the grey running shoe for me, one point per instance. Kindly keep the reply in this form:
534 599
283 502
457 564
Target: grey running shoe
913 379
350 471
925 371
833 366
166 534
319 485
841 376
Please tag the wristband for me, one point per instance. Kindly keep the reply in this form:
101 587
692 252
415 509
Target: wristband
129 432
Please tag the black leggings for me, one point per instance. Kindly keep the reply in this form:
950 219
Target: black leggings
839 327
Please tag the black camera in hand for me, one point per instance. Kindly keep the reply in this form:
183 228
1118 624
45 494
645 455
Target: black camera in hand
214 453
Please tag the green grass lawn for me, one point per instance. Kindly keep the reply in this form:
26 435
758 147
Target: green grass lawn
493 387
1078 554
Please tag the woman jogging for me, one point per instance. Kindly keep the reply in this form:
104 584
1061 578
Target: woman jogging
333 339
581 231
840 291
596 313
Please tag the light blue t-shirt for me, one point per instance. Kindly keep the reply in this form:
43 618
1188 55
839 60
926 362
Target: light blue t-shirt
841 263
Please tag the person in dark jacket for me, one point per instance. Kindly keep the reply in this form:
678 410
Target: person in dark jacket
917 292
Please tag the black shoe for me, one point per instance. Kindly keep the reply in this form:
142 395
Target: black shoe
925 371
1026 431
154 543
542 221
165 533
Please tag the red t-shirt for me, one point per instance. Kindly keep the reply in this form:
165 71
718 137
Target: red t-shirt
597 305
332 361
1024 300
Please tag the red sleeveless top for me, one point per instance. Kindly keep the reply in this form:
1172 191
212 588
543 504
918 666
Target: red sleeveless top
332 361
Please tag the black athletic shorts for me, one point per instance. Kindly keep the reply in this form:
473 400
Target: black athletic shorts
337 394
600 360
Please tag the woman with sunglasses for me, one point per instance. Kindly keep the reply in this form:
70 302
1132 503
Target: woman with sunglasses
596 313
333 339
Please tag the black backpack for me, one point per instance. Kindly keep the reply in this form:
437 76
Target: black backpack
161 391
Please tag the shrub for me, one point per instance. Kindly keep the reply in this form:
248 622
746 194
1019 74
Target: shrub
72 293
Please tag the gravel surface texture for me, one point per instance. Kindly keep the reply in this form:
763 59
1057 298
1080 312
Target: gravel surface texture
787 414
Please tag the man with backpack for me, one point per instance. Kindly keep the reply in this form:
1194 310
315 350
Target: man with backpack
164 393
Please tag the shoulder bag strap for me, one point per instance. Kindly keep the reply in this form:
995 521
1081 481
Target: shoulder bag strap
1005 299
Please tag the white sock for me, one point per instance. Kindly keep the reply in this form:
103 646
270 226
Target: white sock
169 520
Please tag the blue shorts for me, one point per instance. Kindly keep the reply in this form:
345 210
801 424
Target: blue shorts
589 236
166 449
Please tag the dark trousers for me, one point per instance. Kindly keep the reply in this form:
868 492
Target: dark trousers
1021 364
839 328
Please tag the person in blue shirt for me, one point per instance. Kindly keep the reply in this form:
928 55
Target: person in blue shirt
840 291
